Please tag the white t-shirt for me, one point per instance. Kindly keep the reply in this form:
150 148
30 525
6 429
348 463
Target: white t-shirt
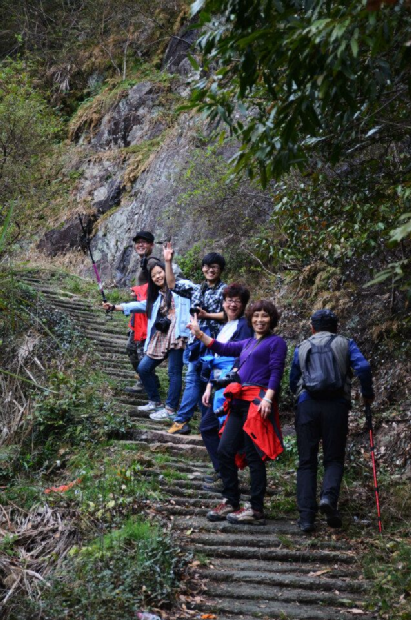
227 331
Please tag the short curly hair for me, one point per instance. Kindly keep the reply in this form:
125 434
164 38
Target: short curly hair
263 305
237 290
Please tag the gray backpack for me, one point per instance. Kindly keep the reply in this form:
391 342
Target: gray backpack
320 373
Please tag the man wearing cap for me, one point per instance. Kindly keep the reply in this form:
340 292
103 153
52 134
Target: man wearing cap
143 244
323 414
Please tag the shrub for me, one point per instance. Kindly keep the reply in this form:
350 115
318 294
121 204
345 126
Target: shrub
116 575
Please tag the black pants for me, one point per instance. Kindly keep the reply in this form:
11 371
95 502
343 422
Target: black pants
315 421
233 439
211 439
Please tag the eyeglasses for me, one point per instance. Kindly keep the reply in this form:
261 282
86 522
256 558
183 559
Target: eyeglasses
231 302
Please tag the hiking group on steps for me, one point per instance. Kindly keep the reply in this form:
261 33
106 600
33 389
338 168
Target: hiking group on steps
235 365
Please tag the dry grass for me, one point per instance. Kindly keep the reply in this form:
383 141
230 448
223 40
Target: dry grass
32 543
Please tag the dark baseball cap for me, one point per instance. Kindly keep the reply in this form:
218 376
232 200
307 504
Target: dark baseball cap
324 319
147 235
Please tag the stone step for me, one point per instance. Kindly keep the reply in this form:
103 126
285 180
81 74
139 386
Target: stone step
264 539
257 591
187 487
304 583
188 451
163 436
268 567
241 608
305 555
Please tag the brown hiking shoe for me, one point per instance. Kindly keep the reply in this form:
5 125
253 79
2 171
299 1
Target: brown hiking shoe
219 513
182 429
247 515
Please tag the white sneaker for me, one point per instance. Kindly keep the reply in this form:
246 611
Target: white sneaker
163 414
151 406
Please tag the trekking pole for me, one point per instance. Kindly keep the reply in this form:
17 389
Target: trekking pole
99 282
368 414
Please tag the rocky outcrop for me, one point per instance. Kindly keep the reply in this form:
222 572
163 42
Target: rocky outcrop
132 149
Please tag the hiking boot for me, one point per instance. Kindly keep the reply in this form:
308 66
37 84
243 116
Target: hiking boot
306 527
179 429
216 486
330 510
163 414
247 515
220 513
137 387
151 406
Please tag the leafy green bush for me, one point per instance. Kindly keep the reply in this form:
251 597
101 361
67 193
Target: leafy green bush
318 220
73 411
116 575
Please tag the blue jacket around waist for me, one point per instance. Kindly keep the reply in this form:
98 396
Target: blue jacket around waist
357 362
182 309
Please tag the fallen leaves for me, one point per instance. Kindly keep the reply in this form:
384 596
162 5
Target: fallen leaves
314 574
62 488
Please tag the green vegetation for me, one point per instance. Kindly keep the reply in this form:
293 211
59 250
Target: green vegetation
132 568
322 88
28 128
388 566
101 39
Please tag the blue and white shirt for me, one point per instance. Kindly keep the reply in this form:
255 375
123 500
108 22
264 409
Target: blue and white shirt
208 298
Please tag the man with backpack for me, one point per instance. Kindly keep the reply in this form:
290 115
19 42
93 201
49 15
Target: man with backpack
320 377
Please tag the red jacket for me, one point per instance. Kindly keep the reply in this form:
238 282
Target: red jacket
138 321
265 432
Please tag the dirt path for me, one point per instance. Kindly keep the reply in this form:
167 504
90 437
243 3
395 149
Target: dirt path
241 572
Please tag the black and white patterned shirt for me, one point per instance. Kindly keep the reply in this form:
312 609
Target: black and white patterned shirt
208 298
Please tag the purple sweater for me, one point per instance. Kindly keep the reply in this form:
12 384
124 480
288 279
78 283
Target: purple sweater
264 366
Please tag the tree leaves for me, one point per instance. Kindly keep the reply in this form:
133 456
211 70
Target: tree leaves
324 65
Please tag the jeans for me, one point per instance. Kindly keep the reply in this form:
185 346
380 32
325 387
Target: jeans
194 389
148 377
233 439
327 421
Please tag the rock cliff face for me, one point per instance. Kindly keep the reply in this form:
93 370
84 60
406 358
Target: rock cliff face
132 158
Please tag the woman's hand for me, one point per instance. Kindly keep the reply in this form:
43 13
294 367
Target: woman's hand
265 406
206 396
265 410
168 252
194 326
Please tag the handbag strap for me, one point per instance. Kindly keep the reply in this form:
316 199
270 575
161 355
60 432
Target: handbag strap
251 351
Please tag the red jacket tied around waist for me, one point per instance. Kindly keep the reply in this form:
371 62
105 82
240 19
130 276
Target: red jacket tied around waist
265 432
138 321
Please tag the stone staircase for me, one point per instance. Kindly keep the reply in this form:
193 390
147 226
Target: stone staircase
242 572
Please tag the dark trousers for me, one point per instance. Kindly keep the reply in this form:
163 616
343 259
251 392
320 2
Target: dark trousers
318 420
211 441
209 429
233 439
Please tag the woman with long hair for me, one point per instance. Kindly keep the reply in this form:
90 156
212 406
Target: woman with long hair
167 332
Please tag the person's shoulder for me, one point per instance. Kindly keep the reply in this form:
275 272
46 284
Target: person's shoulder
275 341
